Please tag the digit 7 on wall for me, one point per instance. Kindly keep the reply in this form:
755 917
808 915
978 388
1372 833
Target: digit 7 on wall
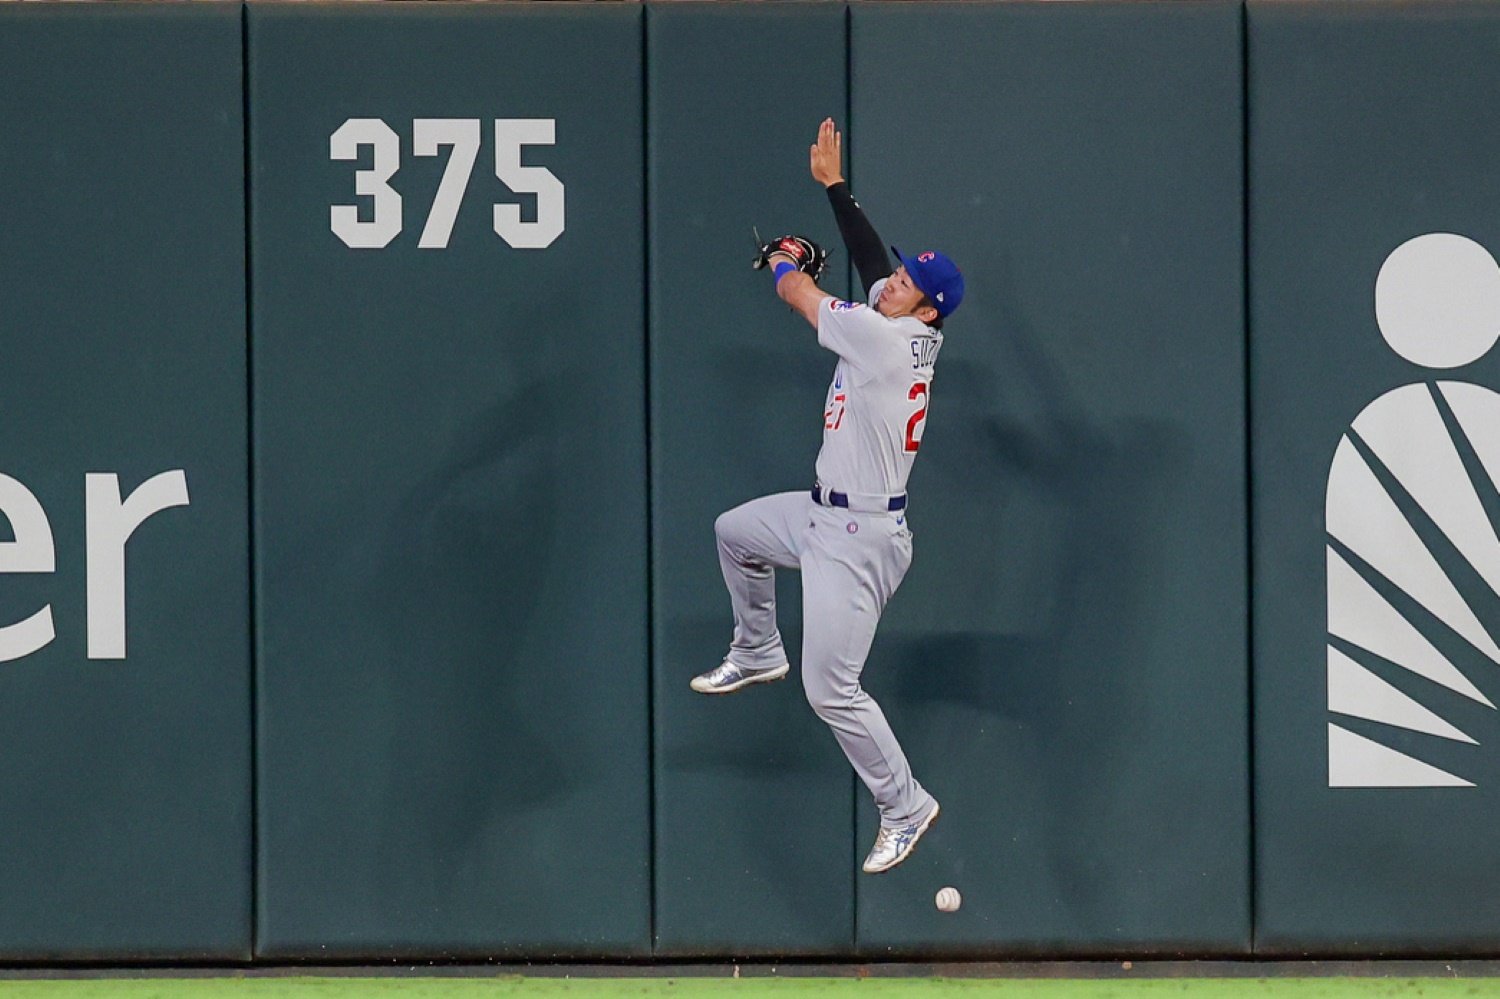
384 205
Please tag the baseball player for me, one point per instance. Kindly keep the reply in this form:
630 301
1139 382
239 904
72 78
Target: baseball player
849 535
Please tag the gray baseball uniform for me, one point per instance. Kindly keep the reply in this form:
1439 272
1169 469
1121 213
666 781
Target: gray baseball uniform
852 559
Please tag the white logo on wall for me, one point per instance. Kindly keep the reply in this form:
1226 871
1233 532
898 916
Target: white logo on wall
109 522
1411 550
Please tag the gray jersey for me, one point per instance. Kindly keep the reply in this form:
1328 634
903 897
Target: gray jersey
877 404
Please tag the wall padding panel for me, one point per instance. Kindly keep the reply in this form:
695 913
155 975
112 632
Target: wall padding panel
1375 608
1066 660
754 818
126 739
451 484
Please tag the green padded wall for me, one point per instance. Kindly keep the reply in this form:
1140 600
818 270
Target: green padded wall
1370 124
754 813
1066 660
474 637
126 783
450 483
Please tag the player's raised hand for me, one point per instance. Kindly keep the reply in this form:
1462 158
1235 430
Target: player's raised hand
827 155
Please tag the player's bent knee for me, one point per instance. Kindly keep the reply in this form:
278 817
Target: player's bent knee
729 528
828 698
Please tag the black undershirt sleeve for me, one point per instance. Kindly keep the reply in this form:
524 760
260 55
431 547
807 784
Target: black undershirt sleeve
860 237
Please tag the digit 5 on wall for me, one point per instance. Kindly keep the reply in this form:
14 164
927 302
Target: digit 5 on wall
383 204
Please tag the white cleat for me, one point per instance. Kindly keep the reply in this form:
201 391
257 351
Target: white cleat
894 845
726 677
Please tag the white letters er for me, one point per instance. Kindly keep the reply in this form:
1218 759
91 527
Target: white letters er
110 523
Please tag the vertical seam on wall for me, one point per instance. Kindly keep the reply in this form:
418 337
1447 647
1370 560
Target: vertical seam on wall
854 784
1249 468
250 498
650 492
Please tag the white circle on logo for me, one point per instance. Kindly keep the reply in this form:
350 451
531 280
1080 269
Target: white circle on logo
1437 300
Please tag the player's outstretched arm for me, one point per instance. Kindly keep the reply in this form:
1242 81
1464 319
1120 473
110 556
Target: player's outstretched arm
826 159
798 290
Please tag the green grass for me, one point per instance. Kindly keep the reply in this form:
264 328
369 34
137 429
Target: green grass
746 988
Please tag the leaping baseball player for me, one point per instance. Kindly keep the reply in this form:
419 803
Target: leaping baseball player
850 535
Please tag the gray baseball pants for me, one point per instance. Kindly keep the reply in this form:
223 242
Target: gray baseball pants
851 564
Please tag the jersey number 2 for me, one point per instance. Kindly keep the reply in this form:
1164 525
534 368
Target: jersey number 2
918 421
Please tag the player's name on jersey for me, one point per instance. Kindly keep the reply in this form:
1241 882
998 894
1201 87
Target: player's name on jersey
924 352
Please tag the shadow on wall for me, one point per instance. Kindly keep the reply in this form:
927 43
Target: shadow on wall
1077 512
1046 677
459 591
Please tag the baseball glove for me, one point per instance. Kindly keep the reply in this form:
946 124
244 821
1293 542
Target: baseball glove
808 256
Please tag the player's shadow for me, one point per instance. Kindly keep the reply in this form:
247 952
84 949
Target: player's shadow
1050 669
475 729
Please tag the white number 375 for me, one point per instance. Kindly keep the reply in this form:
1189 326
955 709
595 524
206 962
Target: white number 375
462 136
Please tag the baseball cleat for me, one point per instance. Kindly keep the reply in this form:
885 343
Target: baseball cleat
726 677
894 845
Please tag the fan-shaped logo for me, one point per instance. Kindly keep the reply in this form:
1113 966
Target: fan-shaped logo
1412 550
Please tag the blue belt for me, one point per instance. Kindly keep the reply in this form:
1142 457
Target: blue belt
842 499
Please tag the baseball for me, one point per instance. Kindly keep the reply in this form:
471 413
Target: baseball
948 899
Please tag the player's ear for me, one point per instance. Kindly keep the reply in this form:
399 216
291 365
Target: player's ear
926 313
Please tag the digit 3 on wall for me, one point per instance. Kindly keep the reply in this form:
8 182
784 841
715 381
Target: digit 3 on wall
1413 557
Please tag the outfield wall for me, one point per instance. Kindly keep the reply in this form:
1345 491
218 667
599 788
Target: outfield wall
373 375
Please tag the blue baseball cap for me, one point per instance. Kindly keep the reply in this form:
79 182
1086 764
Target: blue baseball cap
937 276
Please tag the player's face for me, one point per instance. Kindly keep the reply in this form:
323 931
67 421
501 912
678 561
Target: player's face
899 297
